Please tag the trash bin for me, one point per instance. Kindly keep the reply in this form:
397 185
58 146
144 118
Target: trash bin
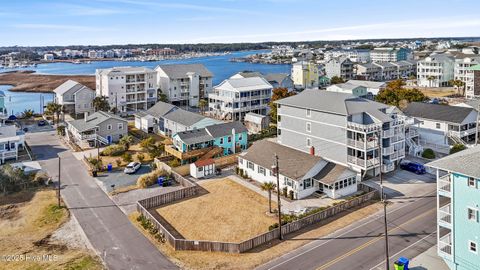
160 180
109 167
405 262
398 265
94 173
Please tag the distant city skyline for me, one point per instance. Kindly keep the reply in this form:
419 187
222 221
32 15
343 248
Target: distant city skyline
104 22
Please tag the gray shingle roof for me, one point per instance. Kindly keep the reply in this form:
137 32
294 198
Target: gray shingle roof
276 77
93 121
225 129
195 136
464 162
69 85
331 102
445 113
332 173
249 74
160 109
183 117
177 71
293 163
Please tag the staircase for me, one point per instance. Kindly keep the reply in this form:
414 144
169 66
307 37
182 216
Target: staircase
102 140
414 148
455 139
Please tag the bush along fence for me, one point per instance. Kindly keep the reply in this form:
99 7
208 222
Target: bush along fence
147 208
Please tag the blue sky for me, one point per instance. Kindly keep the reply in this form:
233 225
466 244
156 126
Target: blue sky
100 22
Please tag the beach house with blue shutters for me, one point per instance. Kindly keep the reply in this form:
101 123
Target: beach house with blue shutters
458 202
214 140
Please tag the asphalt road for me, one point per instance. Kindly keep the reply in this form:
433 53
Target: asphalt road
411 230
118 242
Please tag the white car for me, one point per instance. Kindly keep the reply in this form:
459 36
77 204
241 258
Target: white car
132 167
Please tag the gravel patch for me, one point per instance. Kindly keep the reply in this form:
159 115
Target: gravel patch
72 235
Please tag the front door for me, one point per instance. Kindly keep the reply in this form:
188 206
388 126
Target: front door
109 139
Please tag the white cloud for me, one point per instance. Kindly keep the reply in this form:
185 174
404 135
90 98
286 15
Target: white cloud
80 10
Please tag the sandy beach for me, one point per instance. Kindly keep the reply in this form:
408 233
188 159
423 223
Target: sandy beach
28 81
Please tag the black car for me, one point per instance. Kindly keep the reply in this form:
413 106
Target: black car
413 167
42 123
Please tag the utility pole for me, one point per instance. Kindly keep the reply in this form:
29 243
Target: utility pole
383 197
59 181
277 174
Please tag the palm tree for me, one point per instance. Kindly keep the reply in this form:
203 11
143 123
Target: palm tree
269 187
101 104
27 113
202 104
459 85
54 109
126 141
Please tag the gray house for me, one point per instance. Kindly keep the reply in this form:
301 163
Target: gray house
342 128
75 98
102 127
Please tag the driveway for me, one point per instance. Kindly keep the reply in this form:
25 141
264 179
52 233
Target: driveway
113 236
121 179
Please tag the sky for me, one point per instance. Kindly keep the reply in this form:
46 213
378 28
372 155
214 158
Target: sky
104 22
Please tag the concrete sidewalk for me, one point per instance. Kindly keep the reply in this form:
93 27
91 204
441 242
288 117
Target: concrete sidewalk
428 260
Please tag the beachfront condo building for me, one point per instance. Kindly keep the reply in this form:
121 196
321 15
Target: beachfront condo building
128 89
184 84
234 98
458 200
342 128
389 54
435 70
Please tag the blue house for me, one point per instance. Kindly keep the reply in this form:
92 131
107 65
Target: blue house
458 202
225 138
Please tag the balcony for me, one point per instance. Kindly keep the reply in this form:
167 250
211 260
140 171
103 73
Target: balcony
388 167
444 184
445 214
387 133
397 138
386 151
362 163
356 143
445 244
362 127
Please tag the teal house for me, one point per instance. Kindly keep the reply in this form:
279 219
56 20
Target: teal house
458 202
225 138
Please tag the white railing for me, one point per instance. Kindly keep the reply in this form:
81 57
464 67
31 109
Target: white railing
445 244
412 133
372 162
388 167
388 150
397 122
355 143
356 161
397 138
444 183
362 127
372 144
8 154
445 213
387 133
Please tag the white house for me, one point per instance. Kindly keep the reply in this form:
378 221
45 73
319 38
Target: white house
11 141
202 168
129 89
184 84
356 90
372 87
301 173
441 126
255 123
234 98
435 70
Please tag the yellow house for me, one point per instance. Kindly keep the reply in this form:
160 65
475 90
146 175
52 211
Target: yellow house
305 75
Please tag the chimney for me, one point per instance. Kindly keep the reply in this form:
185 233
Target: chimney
312 150
233 141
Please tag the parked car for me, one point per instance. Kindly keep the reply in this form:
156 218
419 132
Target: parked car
413 167
132 167
42 123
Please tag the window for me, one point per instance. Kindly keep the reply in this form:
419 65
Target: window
438 125
279 132
472 214
221 140
109 127
472 246
200 169
309 113
240 137
261 170
279 118
309 142
229 138
120 125
240 160
250 165
472 182
307 183
309 127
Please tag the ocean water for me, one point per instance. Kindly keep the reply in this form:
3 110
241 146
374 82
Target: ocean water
220 66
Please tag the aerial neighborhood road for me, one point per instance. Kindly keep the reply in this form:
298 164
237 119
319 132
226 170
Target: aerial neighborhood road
117 241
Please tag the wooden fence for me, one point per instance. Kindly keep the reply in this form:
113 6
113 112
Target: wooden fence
192 189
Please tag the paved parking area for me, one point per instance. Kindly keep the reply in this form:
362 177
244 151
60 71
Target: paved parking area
128 201
121 179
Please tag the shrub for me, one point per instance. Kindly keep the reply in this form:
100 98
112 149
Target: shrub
141 158
428 153
273 226
127 157
150 178
95 162
174 163
118 162
457 148
40 178
114 150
